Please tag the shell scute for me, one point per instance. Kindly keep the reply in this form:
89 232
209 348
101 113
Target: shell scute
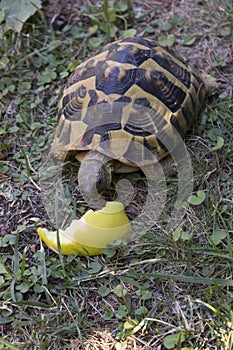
133 89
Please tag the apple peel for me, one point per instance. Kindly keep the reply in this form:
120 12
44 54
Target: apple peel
91 233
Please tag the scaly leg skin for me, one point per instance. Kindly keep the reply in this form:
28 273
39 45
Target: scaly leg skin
168 165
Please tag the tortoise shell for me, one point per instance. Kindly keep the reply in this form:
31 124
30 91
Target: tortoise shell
134 89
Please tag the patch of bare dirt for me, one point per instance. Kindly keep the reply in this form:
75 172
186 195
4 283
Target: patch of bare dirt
103 340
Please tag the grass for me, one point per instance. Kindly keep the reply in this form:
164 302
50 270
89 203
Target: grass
168 289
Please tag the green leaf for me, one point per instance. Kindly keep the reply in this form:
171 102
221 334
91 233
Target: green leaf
144 294
2 268
8 345
17 12
219 144
94 267
167 39
103 291
171 340
47 76
178 20
189 40
226 31
198 198
219 61
122 312
179 233
92 30
4 62
111 16
109 252
120 6
166 27
95 43
120 291
207 271
8 239
5 320
54 44
141 311
130 324
129 33
121 345
186 236
108 314
113 31
213 133
23 288
217 236
2 15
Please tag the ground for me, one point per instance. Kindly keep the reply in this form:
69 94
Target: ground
172 287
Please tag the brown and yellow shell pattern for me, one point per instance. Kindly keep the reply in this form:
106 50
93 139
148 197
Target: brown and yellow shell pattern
134 89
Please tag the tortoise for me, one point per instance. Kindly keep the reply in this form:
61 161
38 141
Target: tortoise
135 91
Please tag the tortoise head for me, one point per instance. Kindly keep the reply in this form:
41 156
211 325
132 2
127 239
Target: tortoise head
95 174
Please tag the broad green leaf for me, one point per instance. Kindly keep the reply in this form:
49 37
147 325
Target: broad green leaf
120 291
144 294
122 312
2 268
120 6
166 27
113 31
179 233
178 20
220 61
130 324
167 39
185 236
94 267
171 340
207 271
23 288
92 30
129 33
121 345
54 44
109 252
104 291
95 43
141 311
108 314
18 11
217 236
188 40
198 198
226 31
4 62
111 16
213 133
219 144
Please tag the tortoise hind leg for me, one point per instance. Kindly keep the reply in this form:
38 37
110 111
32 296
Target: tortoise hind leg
168 165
